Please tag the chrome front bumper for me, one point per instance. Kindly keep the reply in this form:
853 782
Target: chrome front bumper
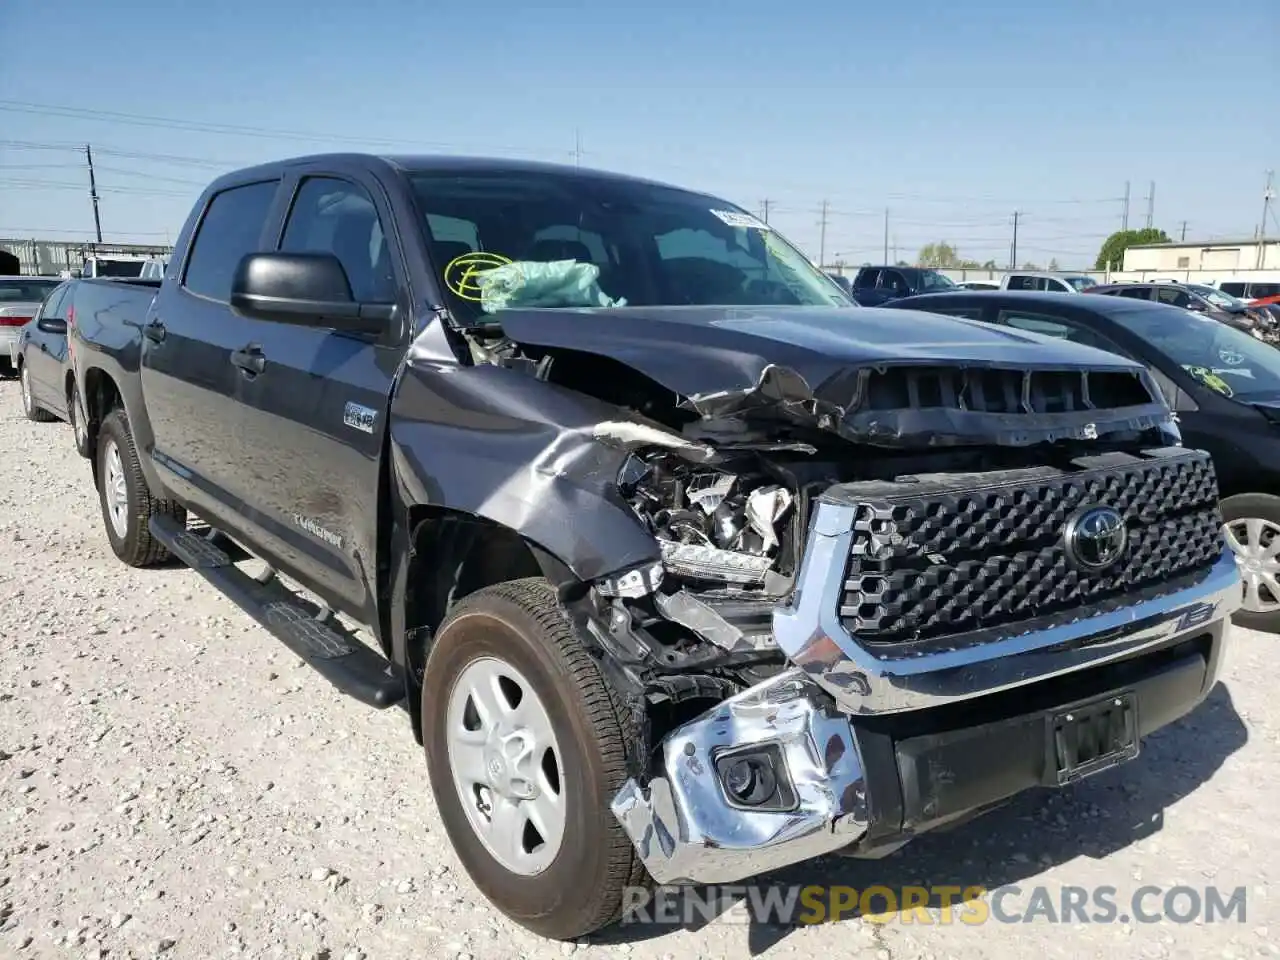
685 827
684 824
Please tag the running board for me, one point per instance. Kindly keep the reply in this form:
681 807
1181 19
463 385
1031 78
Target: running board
321 641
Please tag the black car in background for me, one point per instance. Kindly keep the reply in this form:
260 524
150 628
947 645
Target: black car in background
1198 298
40 355
1223 384
876 285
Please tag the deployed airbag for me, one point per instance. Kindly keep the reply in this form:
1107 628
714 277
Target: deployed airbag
529 283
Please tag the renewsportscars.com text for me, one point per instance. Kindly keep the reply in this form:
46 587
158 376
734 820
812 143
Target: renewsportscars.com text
942 904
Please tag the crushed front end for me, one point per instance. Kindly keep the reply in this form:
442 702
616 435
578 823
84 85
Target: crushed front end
836 665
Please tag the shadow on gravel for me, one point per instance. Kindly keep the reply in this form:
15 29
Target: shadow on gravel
1033 833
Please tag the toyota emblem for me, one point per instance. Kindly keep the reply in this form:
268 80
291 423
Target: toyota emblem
1095 538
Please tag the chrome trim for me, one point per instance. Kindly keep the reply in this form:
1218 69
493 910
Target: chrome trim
810 632
683 825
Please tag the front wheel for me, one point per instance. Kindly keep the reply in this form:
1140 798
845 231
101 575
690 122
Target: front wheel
127 503
526 746
1252 525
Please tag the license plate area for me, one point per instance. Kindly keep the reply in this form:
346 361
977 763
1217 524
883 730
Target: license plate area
1093 736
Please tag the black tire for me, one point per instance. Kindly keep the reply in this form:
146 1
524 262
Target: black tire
1262 506
136 546
32 410
79 433
522 623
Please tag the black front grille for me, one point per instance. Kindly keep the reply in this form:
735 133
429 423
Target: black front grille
992 390
948 555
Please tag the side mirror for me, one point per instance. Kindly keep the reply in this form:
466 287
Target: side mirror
52 325
1195 306
306 289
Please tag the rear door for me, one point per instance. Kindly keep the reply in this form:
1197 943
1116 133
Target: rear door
192 390
317 412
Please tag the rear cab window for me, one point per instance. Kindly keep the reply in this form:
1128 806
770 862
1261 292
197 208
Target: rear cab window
230 227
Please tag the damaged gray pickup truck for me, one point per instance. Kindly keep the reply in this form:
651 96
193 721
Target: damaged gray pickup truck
684 566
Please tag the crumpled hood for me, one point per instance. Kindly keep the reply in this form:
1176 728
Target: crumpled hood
813 365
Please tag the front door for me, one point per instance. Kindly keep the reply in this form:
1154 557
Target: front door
317 412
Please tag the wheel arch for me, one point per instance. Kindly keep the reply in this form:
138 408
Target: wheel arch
450 554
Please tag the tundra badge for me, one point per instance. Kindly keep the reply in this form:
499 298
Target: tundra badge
359 417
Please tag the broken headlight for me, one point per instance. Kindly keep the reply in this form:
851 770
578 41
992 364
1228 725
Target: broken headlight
710 524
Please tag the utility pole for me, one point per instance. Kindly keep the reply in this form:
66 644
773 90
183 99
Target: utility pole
1013 249
93 193
1151 204
886 236
1124 219
577 147
822 237
764 209
1183 236
1267 196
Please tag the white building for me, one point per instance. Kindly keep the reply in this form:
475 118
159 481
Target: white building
1220 257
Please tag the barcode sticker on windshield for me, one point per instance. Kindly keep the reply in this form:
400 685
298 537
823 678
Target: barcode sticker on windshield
735 219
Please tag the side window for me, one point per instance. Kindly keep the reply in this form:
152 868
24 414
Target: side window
866 279
1136 293
1020 283
1232 289
231 227
338 217
1058 327
1173 296
1056 285
968 313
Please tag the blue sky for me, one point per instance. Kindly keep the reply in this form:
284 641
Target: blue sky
951 115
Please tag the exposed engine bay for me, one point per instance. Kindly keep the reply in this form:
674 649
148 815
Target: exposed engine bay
724 480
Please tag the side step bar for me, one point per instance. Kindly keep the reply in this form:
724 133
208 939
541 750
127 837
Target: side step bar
337 654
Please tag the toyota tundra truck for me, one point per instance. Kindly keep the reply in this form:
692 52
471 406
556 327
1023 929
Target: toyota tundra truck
683 566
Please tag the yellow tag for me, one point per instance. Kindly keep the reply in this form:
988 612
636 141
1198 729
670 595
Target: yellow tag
461 275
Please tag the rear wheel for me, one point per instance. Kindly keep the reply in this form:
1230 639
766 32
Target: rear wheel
127 503
1252 525
29 406
526 747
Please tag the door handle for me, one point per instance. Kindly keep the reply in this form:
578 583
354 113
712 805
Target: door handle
44 348
154 331
249 359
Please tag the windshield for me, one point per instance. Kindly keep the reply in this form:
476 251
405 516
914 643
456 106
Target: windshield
933 280
1081 283
544 239
1223 358
1216 296
118 268
25 289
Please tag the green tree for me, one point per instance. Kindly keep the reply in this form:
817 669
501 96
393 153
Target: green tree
940 254
1114 246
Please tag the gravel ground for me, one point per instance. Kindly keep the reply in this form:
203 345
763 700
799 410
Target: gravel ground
174 783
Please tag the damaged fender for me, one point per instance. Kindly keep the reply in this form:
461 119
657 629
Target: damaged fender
529 455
